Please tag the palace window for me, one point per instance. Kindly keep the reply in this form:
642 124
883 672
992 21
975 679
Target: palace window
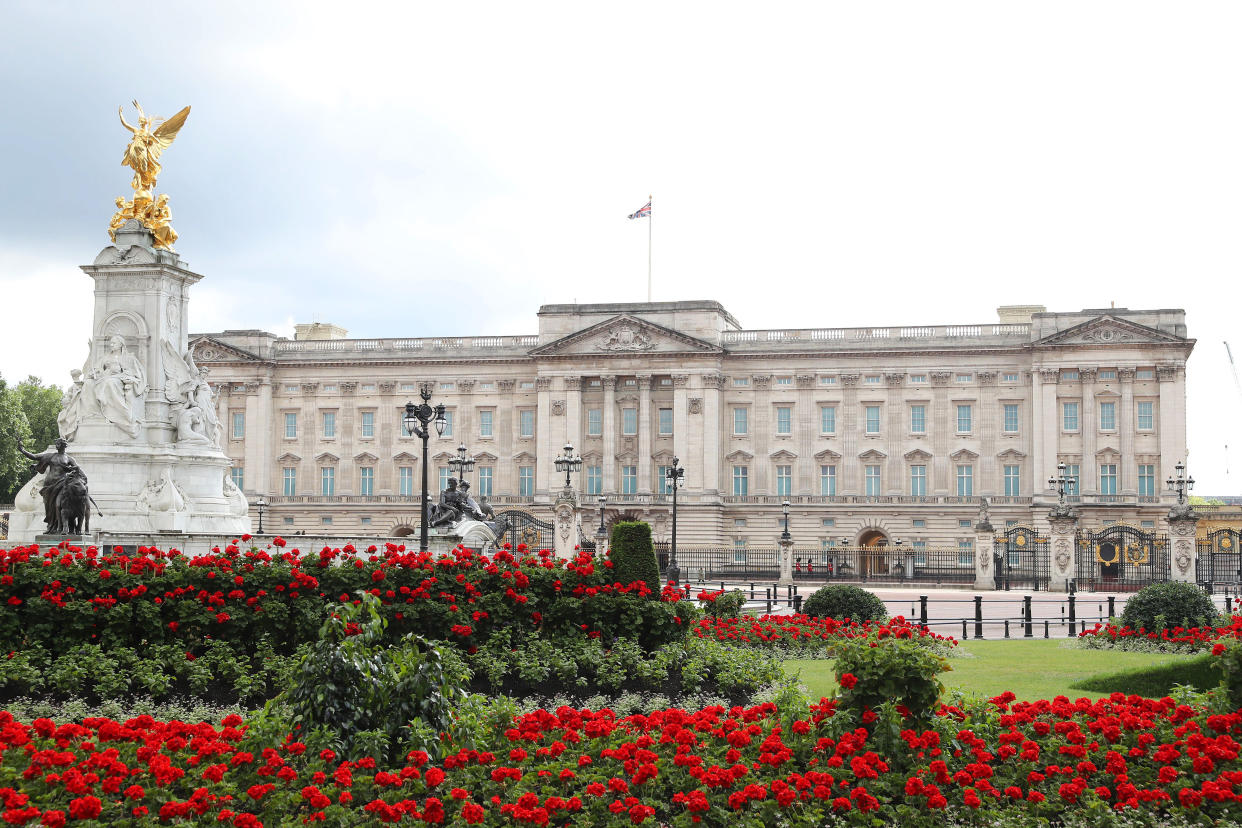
1146 415
629 421
405 481
1069 375
784 481
662 483
1108 416
444 473
595 480
827 380
873 419
873 379
291 425
966 552
965 480
289 477
963 419
1108 478
239 425
828 481
740 381
327 481
1071 471
595 422
526 423
1009 377
367 423
741 480
1013 481
784 380
485 422
1147 479
871 478
1144 373
784 419
916 379
1011 418
366 481
629 480
965 377
665 422
918 481
329 424
238 473
526 481
485 481
1070 416
828 419
918 419
739 421
1108 375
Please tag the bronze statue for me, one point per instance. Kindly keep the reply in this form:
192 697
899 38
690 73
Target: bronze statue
66 504
449 509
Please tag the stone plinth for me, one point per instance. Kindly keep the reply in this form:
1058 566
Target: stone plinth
985 564
1183 550
1062 547
565 520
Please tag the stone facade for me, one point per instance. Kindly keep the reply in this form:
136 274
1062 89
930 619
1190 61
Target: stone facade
871 433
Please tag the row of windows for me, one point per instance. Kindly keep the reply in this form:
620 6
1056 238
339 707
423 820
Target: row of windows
1145 416
405 480
366 424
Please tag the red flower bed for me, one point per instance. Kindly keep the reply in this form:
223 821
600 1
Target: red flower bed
65 596
807 630
593 768
1190 639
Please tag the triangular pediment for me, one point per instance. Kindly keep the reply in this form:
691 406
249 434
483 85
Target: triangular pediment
1011 454
443 456
784 455
592 458
365 457
404 457
327 457
1107 450
964 454
624 335
738 456
872 454
917 454
485 457
207 349
289 457
523 457
827 454
1108 330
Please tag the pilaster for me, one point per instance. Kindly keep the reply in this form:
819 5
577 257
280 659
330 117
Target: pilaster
805 479
645 428
850 481
711 428
1089 428
1125 427
611 482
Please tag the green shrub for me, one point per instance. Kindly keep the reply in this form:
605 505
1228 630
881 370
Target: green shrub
1157 607
1229 663
633 555
897 670
728 605
845 601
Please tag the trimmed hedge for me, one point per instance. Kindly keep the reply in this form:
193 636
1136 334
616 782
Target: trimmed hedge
1166 605
842 601
633 554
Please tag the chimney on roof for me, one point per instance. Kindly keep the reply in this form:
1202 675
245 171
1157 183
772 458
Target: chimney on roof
318 330
1018 314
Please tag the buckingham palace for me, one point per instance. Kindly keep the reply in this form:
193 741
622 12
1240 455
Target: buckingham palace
871 434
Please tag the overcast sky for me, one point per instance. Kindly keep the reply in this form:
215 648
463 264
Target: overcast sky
428 169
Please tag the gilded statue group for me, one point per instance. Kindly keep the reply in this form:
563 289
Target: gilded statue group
143 157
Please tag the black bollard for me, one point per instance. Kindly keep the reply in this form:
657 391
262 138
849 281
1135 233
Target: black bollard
798 604
1046 628
1026 616
1112 607
923 610
964 635
1006 628
1072 616
978 616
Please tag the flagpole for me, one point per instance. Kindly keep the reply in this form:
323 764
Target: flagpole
649 221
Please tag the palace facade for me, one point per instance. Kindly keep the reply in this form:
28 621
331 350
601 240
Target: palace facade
872 434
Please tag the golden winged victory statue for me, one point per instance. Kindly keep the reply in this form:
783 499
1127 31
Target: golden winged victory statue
143 157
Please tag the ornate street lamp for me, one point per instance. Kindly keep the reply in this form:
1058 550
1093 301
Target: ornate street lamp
676 477
1180 483
1061 483
785 536
261 507
416 421
568 462
462 462
602 532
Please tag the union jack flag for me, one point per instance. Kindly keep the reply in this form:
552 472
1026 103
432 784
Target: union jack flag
642 212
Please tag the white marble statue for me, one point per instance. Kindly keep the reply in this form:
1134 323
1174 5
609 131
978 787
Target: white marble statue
191 426
72 407
118 383
237 501
163 495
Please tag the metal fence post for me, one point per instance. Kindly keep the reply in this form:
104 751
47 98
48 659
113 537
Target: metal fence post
1112 607
923 610
1026 616
1072 617
978 616
1006 628
798 604
1046 635
964 635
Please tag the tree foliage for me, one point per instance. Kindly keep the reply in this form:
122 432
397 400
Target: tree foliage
633 554
27 412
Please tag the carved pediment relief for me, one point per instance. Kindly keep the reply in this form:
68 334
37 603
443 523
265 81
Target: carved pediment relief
404 457
289 457
664 456
872 454
326 458
964 454
739 456
783 455
1011 454
208 350
624 334
485 457
443 456
524 457
365 458
592 458
917 455
1107 451
1108 330
827 454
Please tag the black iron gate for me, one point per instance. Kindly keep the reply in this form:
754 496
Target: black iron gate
1219 559
1121 557
1021 558
528 529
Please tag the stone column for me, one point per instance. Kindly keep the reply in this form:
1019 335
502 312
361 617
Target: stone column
574 432
644 433
990 478
1088 426
1183 551
762 425
849 479
942 429
710 427
808 428
1035 428
611 483
985 571
786 546
895 431
1125 426
1172 425
1050 426
565 517
544 451
1063 527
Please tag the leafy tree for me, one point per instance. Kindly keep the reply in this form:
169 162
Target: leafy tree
41 405
14 469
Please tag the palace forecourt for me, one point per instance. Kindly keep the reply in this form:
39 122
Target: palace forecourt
873 435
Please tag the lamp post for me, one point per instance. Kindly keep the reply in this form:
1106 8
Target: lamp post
602 532
676 477
1180 483
261 507
568 462
416 421
1061 483
462 462
785 536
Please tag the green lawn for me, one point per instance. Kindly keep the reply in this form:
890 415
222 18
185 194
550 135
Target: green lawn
1039 669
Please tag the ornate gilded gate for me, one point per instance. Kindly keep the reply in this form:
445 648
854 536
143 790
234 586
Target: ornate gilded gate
528 529
1219 559
1121 557
1022 559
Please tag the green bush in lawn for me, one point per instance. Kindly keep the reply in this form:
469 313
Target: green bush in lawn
1161 606
728 605
845 601
897 670
633 555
